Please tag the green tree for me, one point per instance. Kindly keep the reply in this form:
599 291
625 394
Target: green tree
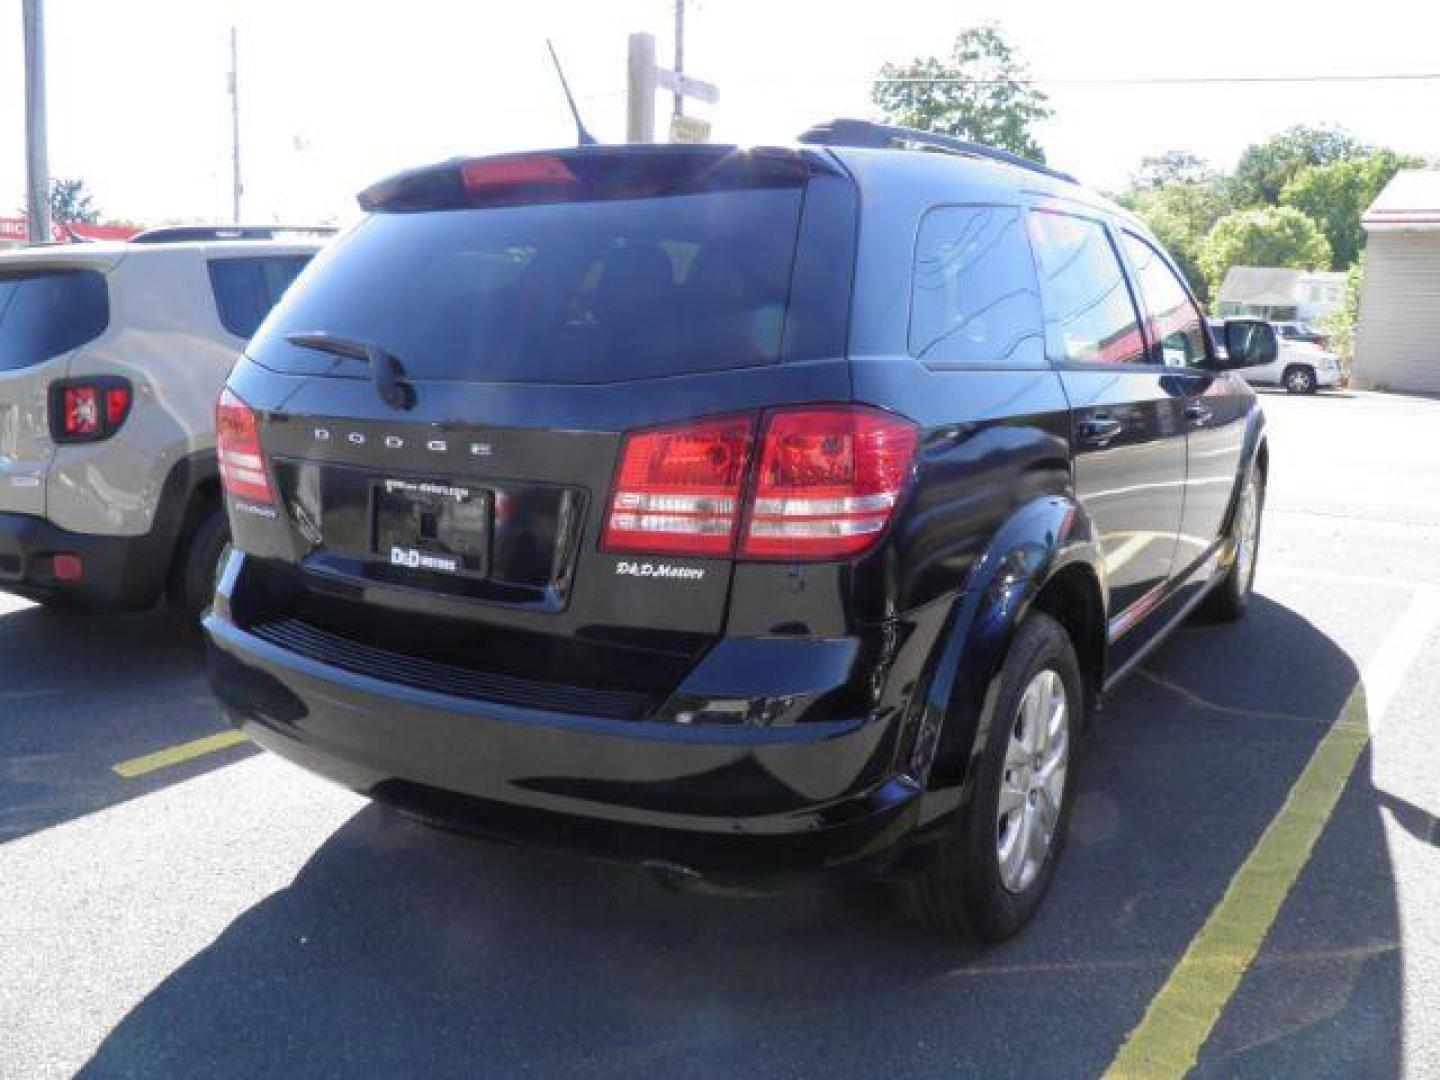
978 93
1340 324
70 201
1172 167
1181 215
1334 196
1273 236
1265 168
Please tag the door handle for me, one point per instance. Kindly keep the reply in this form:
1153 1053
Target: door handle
1099 429
1198 414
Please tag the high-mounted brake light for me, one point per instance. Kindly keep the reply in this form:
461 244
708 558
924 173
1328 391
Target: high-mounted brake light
827 483
88 409
488 174
237 444
679 488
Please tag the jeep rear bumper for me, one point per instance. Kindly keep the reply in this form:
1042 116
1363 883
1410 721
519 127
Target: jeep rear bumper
120 573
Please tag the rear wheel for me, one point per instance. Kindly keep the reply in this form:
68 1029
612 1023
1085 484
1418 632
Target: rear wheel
1229 599
192 581
1300 380
996 865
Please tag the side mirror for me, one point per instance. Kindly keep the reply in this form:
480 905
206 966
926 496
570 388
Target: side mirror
1249 343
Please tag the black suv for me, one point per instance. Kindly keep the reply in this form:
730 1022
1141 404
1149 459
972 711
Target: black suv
748 514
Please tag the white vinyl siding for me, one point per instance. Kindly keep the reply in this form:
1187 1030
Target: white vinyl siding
1398 343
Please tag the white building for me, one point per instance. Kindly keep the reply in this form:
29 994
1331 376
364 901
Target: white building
1397 345
1279 294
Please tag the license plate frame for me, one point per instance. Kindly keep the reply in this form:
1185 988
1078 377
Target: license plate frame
431 526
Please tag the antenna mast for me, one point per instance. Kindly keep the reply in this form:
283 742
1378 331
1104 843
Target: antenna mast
582 137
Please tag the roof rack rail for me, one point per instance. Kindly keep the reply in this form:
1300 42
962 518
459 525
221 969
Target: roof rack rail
867 134
183 234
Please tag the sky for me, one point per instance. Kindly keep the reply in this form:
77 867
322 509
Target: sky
336 95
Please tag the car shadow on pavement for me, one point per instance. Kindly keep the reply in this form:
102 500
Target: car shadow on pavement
82 693
400 950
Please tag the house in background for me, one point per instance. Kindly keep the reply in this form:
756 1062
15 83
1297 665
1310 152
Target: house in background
1280 294
1397 344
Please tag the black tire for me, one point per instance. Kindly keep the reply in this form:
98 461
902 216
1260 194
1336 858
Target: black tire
1299 379
192 579
1229 599
962 893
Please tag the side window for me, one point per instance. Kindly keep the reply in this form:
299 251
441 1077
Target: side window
44 313
974 300
1089 314
246 289
1175 321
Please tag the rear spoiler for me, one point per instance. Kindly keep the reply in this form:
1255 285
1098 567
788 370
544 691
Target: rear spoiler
591 174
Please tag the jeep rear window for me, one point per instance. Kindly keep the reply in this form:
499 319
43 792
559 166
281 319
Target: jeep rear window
45 313
594 291
247 288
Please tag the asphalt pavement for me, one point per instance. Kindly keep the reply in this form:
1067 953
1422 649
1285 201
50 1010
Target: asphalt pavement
217 912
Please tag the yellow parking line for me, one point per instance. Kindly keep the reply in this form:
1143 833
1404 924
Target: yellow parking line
1182 1015
174 755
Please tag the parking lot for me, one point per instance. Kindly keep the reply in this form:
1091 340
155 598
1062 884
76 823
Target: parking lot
215 911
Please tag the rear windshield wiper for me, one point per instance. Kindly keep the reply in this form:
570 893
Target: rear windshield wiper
386 371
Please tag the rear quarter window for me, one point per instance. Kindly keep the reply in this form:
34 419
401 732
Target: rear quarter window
247 288
45 313
974 300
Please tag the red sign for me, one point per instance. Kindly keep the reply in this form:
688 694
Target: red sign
16 229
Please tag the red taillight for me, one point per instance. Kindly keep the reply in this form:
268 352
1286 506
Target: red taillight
678 489
828 481
237 444
88 409
80 415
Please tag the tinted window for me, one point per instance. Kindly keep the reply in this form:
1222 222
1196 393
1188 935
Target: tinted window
585 292
975 300
246 289
1089 315
49 312
1175 322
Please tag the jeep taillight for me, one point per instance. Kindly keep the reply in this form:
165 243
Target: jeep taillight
825 487
88 409
237 445
678 489
828 481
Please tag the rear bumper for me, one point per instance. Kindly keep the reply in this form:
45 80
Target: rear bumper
734 806
121 573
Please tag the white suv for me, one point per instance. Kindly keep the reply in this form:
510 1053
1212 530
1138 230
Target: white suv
111 358
1301 367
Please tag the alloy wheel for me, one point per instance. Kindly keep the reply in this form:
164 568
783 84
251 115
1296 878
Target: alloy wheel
1299 381
1032 784
1247 534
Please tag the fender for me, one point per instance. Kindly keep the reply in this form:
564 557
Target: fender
1042 538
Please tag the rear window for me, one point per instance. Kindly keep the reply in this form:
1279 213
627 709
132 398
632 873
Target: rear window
46 313
584 292
246 289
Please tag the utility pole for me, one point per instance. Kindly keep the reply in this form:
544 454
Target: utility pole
37 165
679 54
234 84
641 84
